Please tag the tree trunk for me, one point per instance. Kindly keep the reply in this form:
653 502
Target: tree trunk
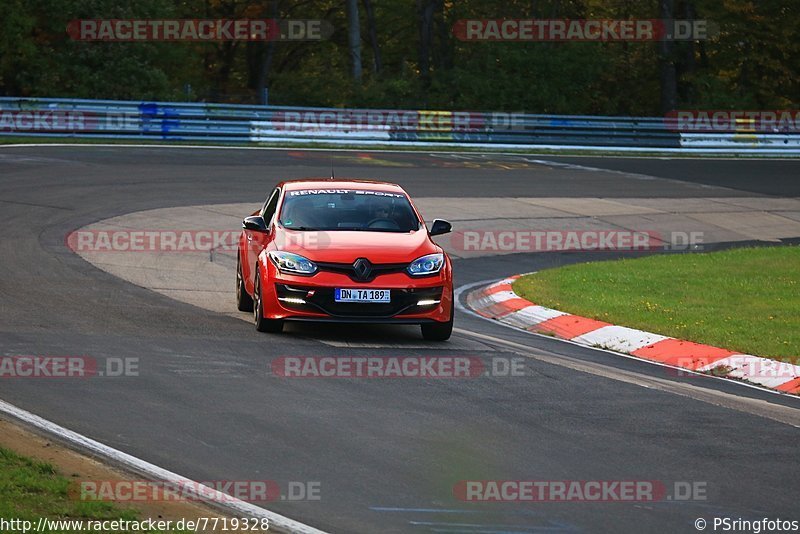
425 9
266 61
691 14
354 38
377 64
226 55
668 77
445 52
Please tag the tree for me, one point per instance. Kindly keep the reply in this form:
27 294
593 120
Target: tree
669 81
425 11
373 37
354 39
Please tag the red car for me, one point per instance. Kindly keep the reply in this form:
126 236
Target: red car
347 251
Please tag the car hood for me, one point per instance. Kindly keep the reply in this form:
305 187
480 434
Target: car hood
347 246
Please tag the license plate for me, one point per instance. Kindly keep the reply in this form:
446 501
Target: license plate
362 295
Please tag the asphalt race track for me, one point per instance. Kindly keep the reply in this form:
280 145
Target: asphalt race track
386 453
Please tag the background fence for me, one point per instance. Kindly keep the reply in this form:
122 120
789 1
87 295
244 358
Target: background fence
226 123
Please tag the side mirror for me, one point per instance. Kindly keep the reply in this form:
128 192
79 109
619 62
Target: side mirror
256 223
440 226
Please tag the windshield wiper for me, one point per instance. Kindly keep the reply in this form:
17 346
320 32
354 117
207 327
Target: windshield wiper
367 229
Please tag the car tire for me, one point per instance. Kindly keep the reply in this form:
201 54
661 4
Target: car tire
439 331
244 302
274 326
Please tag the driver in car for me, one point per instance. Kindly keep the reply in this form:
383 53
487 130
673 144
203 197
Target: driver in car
380 211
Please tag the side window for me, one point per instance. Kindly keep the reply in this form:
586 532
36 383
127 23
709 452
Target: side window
270 206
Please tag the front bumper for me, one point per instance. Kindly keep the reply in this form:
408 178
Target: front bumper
311 298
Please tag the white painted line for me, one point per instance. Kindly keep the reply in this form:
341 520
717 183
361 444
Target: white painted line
595 152
217 499
619 338
762 408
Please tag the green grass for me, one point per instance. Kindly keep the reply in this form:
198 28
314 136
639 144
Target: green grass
30 489
744 299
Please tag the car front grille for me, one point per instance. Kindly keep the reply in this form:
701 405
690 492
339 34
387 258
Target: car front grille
374 269
322 300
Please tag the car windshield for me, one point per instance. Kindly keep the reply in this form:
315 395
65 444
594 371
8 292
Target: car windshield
346 209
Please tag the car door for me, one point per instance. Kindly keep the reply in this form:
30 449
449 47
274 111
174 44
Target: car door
256 240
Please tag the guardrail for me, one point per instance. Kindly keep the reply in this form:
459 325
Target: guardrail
229 123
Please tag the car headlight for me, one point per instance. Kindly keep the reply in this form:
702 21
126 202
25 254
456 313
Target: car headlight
430 264
292 263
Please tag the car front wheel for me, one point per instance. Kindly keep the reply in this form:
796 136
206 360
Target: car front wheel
244 302
439 331
262 324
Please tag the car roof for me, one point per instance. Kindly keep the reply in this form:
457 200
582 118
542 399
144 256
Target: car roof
338 183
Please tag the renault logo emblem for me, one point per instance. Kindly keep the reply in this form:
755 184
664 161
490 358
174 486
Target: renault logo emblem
362 268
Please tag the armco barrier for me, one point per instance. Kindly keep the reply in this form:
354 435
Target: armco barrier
230 123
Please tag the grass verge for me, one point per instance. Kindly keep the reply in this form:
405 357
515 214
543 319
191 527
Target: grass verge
745 299
30 489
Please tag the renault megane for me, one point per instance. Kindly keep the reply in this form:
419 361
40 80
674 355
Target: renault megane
344 251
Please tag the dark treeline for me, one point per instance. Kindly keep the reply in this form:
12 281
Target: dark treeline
402 53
